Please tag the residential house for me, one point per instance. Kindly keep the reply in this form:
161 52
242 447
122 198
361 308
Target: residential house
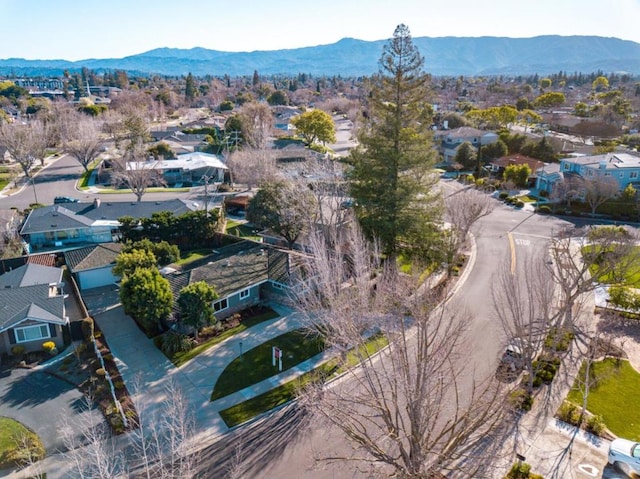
187 169
448 141
548 177
92 266
78 224
242 274
497 167
624 168
33 309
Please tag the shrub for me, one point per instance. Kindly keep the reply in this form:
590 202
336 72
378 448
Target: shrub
558 339
224 188
118 385
522 470
545 368
503 196
87 327
176 343
569 413
521 399
595 425
519 204
48 346
544 209
100 372
17 351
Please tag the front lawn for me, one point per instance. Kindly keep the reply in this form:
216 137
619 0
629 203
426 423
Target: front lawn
256 365
631 270
246 322
614 397
13 437
286 392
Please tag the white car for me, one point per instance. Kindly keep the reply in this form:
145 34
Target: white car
625 454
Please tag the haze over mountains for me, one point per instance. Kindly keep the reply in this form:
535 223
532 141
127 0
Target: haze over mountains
351 57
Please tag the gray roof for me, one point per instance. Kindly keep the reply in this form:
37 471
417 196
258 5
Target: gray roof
30 274
608 160
30 302
234 268
83 215
92 257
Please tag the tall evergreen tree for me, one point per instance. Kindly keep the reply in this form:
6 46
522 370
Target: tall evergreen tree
391 176
190 91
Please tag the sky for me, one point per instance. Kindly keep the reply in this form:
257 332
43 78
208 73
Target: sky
82 29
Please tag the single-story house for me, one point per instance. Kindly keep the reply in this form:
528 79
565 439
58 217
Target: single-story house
92 266
188 168
448 141
242 274
33 309
78 224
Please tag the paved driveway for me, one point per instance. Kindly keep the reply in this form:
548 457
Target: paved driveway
42 402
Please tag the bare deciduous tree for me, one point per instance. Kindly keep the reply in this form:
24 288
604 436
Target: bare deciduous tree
136 171
83 141
162 447
412 410
253 167
26 143
462 209
257 123
574 252
524 306
598 190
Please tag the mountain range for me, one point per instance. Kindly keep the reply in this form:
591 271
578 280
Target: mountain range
351 57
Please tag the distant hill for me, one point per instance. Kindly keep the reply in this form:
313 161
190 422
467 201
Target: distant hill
351 57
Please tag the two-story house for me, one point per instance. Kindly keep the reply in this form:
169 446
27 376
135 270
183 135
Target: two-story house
624 168
448 141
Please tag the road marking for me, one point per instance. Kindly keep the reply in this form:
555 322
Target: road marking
512 246
588 469
523 242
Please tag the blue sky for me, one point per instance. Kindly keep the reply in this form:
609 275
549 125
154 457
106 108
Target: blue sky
80 29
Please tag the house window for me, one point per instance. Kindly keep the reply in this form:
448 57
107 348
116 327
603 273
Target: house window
590 173
220 305
566 166
244 293
621 174
607 173
633 174
32 333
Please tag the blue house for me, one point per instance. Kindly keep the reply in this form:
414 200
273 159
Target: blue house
81 224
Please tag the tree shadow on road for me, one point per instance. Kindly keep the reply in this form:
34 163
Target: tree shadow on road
249 449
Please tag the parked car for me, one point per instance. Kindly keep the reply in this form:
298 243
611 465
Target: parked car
64 199
513 355
625 455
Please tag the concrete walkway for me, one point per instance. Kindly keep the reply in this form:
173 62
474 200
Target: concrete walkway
149 375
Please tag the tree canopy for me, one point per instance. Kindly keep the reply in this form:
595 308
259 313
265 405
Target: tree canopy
315 125
147 297
282 207
196 305
391 176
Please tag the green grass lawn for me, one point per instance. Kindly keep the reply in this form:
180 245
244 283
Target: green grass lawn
614 397
286 392
632 270
192 256
242 230
10 432
255 365
181 358
527 198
